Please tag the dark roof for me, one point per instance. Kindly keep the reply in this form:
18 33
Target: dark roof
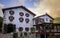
45 15
18 7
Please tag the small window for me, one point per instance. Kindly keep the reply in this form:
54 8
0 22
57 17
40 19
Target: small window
21 19
11 12
11 18
27 15
27 20
21 13
46 19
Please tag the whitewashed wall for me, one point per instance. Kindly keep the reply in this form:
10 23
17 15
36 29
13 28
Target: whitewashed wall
16 18
48 18
45 21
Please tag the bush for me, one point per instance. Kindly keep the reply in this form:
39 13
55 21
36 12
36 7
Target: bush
21 34
32 29
1 22
8 28
15 35
25 33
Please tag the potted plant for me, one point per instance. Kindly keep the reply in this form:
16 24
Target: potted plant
25 33
32 30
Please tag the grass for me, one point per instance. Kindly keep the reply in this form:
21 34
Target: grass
57 20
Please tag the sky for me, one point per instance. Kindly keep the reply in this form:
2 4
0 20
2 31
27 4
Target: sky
39 7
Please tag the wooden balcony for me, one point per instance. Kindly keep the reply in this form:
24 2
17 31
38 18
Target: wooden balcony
48 28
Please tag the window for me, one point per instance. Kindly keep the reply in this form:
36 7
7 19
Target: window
27 15
11 18
46 19
41 20
21 19
21 13
27 20
11 12
51 21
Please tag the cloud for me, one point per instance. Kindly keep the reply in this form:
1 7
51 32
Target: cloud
52 7
22 2
1 5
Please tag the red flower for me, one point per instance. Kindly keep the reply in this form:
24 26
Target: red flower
27 15
11 12
27 20
21 13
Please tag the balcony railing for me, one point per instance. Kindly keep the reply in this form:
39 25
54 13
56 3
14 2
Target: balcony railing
47 28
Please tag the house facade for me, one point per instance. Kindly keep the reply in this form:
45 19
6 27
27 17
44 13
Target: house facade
20 16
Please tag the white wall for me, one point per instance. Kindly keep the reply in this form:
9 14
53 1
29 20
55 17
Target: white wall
45 21
44 17
16 18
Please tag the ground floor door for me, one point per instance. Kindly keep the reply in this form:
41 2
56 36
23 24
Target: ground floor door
10 28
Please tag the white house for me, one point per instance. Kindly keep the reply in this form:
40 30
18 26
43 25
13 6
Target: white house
43 19
20 16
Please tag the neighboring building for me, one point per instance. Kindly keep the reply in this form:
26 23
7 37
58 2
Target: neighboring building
20 16
42 24
43 19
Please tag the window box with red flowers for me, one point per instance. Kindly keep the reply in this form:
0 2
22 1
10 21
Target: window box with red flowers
20 28
21 19
27 15
11 18
27 29
11 12
27 20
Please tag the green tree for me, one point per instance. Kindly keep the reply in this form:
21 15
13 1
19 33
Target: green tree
1 21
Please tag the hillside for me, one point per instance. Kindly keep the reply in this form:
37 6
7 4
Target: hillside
57 20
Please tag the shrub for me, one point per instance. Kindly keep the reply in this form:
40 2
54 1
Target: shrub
25 33
32 29
1 22
15 35
21 34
